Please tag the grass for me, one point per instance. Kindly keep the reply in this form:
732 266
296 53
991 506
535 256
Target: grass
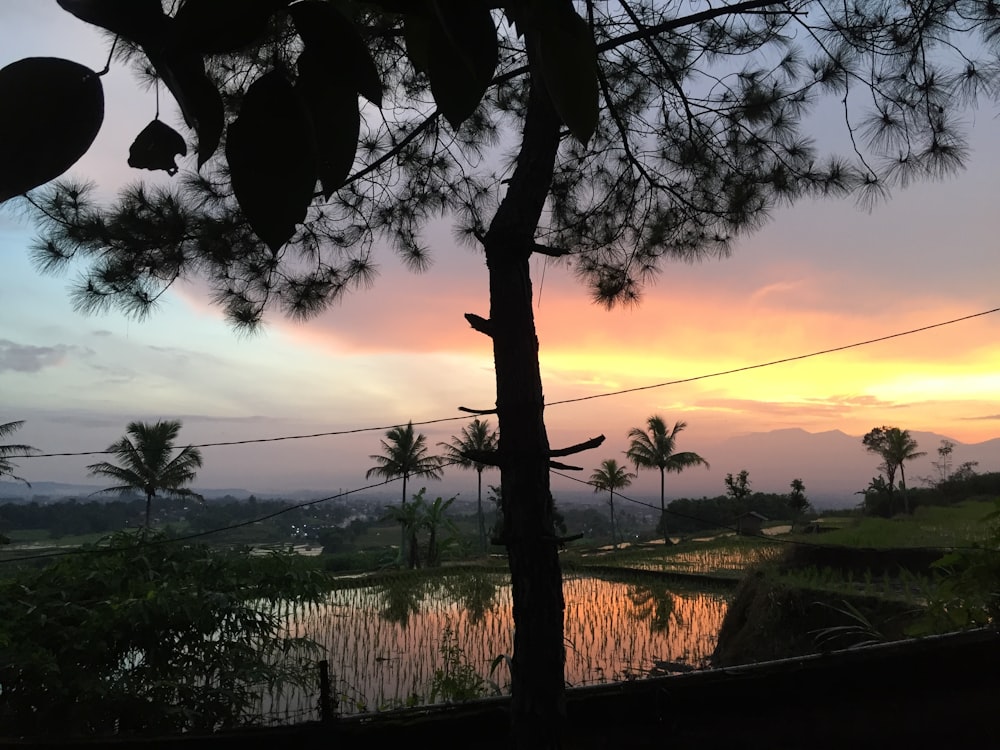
723 556
42 538
929 526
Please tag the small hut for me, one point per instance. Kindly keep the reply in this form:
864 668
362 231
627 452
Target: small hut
749 523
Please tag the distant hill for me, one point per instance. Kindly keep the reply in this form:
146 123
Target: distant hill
63 491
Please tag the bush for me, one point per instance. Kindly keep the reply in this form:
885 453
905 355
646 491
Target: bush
139 634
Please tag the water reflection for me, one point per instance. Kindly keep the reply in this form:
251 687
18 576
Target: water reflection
652 603
400 599
383 641
476 592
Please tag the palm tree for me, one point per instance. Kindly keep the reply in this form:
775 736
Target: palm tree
147 464
404 455
654 448
6 451
409 517
900 448
610 476
895 447
433 519
475 439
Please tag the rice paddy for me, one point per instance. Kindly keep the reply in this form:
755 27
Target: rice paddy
383 641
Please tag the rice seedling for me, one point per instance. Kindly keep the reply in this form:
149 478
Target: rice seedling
410 640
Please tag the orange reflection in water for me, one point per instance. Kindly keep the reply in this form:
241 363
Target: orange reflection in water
383 642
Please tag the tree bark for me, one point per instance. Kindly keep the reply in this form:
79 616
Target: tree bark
479 513
537 668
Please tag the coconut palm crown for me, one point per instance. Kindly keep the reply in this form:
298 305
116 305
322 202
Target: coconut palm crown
610 477
148 463
404 455
475 439
7 466
654 448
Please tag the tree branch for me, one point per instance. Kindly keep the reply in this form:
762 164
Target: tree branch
479 323
552 252
579 447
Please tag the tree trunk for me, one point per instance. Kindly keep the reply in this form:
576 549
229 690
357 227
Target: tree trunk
149 507
482 520
537 667
902 487
663 508
611 502
403 557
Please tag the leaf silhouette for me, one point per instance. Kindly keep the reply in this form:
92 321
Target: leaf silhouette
333 107
328 33
217 26
183 72
272 159
142 21
568 58
51 110
156 147
461 57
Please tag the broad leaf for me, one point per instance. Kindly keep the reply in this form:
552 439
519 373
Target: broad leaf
329 34
333 107
568 58
141 21
156 148
462 56
50 112
183 72
417 35
272 159
217 26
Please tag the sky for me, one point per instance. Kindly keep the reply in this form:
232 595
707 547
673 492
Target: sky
820 275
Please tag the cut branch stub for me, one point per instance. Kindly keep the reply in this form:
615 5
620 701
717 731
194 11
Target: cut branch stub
480 324
156 147
564 467
468 410
487 458
578 448
50 112
272 159
552 252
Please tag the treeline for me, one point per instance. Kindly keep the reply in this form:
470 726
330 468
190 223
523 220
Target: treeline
74 517
70 517
686 515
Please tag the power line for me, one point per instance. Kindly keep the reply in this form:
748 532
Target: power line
296 506
221 529
561 402
779 361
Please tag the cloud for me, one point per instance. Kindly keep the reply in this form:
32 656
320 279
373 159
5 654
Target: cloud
27 358
984 417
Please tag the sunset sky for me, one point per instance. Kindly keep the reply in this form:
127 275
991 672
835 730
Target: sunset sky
819 276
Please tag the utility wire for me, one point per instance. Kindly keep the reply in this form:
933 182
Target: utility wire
211 532
779 361
637 389
220 530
